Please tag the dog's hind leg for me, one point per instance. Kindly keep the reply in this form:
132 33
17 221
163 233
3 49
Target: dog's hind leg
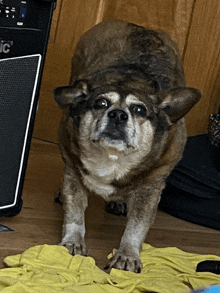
58 197
118 208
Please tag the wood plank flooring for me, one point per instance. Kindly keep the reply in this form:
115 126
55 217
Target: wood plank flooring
40 221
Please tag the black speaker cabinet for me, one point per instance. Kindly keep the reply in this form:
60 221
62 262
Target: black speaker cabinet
24 31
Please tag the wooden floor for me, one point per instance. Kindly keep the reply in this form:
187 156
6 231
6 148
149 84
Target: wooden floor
40 220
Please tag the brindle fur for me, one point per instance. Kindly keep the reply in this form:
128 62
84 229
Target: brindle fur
119 57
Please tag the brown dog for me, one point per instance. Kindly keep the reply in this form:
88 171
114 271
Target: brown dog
122 130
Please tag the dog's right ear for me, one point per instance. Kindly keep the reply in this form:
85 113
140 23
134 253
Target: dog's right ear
69 95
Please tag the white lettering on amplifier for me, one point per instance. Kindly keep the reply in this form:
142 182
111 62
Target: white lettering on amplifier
5 46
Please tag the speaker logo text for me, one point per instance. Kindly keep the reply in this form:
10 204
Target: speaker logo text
5 46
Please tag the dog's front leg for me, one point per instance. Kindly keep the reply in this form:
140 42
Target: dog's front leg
142 208
74 203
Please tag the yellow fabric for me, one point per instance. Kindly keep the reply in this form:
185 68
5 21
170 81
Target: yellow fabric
50 269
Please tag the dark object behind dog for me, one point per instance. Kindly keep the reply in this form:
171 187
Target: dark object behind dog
122 130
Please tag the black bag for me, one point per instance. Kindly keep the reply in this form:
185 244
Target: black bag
192 192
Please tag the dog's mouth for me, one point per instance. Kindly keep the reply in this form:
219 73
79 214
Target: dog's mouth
113 134
113 137
114 140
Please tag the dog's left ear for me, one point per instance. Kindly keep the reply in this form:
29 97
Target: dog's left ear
179 101
70 95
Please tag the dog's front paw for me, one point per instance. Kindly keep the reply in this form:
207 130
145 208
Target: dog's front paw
75 248
125 261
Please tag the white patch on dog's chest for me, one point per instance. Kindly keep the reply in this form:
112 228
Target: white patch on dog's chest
111 162
102 171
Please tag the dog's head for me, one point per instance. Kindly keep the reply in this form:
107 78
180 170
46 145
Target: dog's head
124 118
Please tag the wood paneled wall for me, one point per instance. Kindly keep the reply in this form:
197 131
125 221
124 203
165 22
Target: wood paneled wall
201 63
192 24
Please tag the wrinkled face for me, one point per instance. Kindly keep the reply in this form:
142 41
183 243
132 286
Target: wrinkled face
122 118
118 122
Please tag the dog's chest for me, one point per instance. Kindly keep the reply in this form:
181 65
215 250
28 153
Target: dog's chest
102 171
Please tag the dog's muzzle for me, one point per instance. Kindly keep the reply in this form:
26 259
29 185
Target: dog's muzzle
115 129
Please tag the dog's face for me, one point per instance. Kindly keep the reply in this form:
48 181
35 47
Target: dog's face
123 119
109 117
117 121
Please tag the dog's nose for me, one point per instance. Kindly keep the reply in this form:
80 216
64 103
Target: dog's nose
118 115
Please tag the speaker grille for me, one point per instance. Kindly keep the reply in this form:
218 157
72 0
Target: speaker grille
18 81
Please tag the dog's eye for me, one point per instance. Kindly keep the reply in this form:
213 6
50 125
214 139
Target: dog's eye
138 110
101 103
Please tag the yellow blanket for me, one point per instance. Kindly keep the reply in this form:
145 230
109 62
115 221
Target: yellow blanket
50 269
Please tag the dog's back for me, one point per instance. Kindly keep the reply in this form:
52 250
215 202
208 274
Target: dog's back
130 47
